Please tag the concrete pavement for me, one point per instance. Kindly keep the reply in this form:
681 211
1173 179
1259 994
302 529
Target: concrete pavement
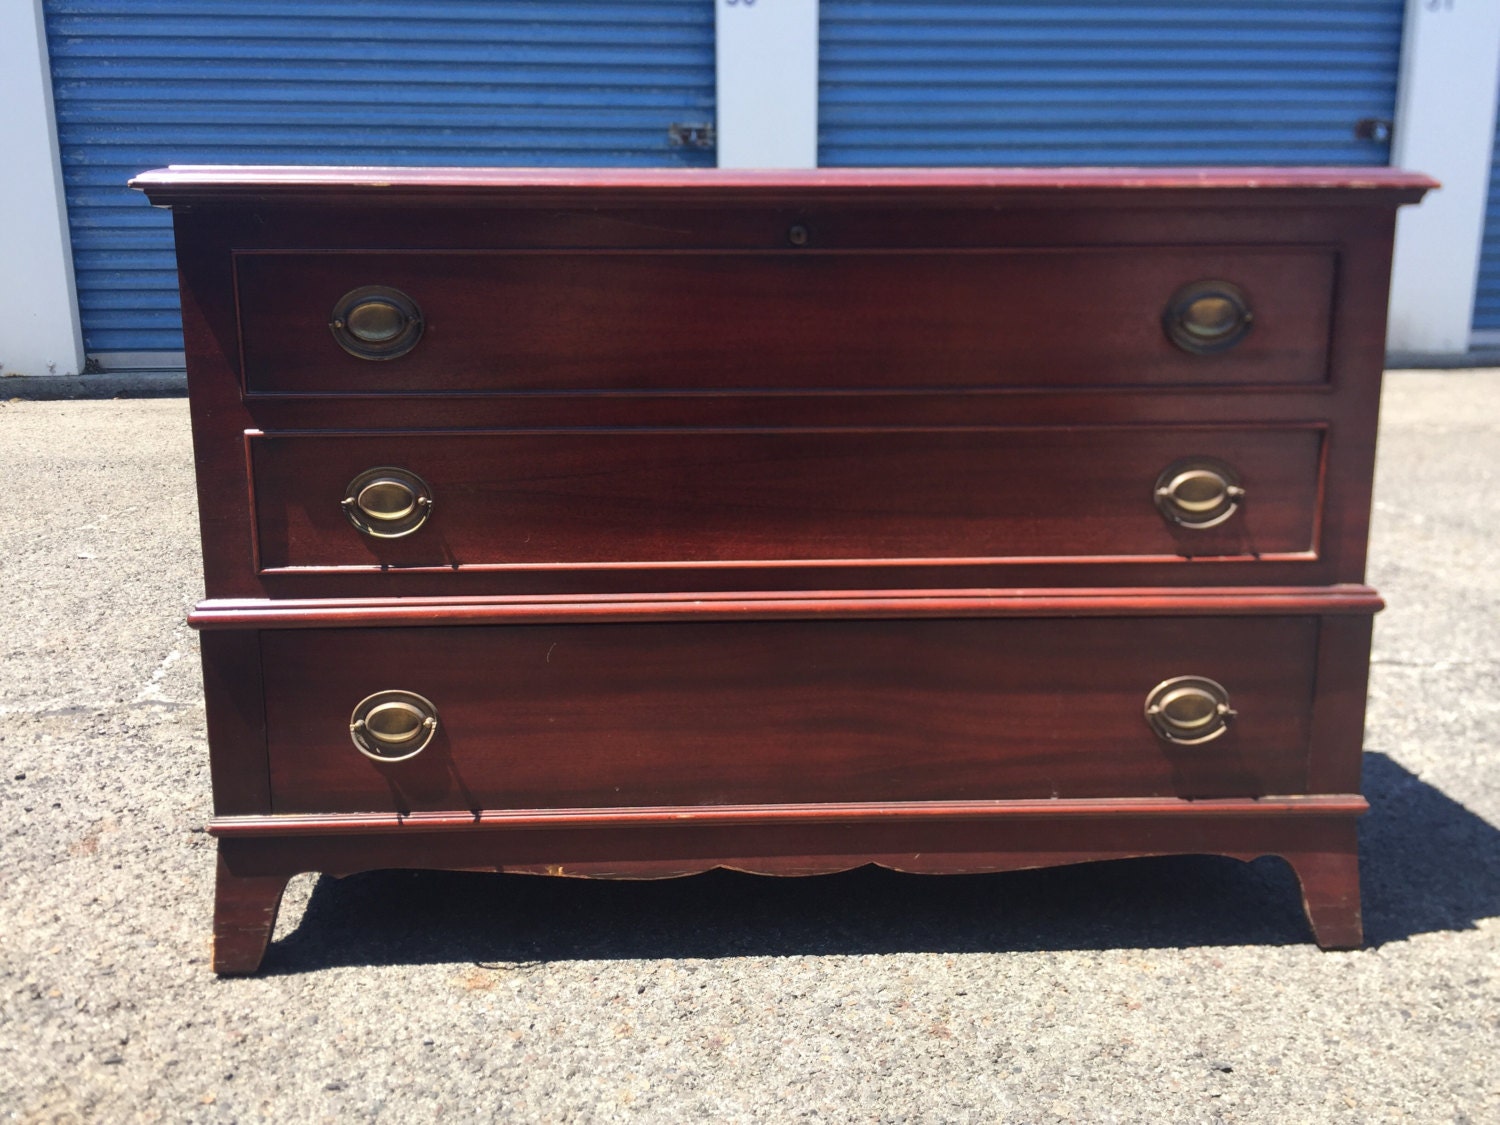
1151 991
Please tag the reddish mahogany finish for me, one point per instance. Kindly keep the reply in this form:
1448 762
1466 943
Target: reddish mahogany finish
186 184
1319 842
218 614
626 498
1323 379
814 320
783 521
775 712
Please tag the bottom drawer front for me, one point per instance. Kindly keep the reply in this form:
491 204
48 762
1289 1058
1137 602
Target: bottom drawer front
647 714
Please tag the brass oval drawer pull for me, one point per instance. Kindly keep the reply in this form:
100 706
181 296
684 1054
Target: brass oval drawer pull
1205 317
1198 492
376 322
387 503
1189 710
392 726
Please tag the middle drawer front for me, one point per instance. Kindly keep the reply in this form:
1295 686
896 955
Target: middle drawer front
764 712
591 499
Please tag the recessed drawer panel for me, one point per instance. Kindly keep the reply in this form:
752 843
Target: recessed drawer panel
601 498
701 713
794 320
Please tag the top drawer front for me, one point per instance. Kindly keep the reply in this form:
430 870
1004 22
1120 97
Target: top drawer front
662 321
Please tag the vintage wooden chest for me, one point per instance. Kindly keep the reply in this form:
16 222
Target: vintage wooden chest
633 523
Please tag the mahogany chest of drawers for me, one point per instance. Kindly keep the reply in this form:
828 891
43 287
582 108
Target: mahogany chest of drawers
633 523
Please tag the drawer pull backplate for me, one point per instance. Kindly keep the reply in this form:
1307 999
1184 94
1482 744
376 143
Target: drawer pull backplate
1198 492
387 502
1206 317
376 322
1189 710
392 726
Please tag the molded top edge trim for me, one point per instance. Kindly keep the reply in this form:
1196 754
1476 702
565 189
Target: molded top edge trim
202 183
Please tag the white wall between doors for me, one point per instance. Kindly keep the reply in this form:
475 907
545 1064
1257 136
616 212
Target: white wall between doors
767 56
39 328
1445 126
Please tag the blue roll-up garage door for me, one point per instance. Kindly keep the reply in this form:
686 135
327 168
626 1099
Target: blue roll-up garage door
142 83
1487 296
1106 81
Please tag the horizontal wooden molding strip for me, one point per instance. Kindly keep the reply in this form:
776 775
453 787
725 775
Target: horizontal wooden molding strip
320 613
750 815
183 184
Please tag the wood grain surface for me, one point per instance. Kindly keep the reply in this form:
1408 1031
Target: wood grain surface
622 498
1321 847
783 554
803 605
189 183
772 712
782 319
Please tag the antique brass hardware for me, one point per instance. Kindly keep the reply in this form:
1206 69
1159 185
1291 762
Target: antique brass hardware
1198 492
1207 317
392 726
1189 710
376 322
387 503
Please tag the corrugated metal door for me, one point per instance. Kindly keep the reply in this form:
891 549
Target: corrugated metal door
142 83
1105 81
1487 296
